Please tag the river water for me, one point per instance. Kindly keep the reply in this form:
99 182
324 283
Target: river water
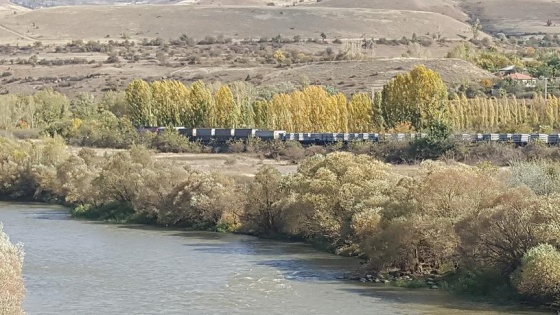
78 267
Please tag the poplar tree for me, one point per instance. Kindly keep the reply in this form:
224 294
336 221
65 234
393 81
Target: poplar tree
418 97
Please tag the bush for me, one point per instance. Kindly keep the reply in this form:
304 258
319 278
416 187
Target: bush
171 141
539 274
264 210
11 279
437 142
506 227
396 152
360 147
500 154
112 212
542 177
235 146
483 282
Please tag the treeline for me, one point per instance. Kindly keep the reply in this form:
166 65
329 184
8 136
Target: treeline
412 98
171 103
496 231
504 114
409 102
414 101
11 279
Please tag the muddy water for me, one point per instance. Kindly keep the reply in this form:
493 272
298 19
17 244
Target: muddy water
77 267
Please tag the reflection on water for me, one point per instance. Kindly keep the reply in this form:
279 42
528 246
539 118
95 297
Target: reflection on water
77 267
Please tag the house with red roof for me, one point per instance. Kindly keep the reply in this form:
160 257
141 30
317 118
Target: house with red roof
523 79
513 80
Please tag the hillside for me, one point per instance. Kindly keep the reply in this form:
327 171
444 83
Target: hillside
137 22
445 7
348 77
515 17
525 16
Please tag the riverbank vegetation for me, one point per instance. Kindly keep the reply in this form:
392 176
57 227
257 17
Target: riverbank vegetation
475 228
11 279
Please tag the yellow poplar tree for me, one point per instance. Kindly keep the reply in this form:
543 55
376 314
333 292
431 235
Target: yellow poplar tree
418 97
162 103
202 105
139 98
227 112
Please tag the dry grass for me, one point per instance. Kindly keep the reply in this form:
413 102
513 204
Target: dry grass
515 17
170 21
444 7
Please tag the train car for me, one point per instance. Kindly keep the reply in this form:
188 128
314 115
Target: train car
222 135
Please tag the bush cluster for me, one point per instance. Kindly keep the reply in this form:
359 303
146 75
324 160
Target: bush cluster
11 279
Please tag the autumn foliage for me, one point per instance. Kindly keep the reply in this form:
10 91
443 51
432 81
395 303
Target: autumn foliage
11 278
415 99
439 218
409 102
171 103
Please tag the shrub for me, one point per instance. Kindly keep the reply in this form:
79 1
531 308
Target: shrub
236 146
539 274
331 192
501 154
437 142
264 210
542 177
396 152
11 280
201 200
171 141
485 282
360 147
506 228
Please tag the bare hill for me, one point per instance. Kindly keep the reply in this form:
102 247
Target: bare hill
97 22
516 17
444 7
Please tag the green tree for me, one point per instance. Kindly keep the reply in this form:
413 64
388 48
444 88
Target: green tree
417 97
51 106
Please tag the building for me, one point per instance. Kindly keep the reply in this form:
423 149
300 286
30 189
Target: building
512 79
523 79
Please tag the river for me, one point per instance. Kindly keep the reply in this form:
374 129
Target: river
79 267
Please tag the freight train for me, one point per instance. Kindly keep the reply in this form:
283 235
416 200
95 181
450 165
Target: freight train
220 135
